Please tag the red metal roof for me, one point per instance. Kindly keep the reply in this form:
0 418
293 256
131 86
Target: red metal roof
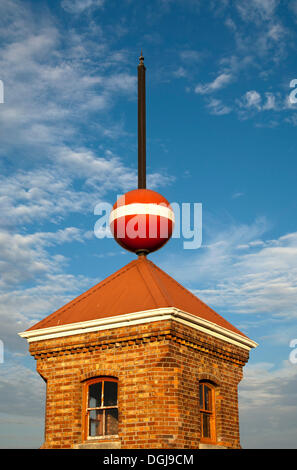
138 286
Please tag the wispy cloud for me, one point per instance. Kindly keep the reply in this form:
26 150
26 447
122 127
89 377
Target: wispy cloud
33 279
267 404
237 195
251 99
219 82
79 6
243 272
21 307
180 72
253 102
24 257
22 406
257 10
52 87
48 194
21 396
190 55
217 108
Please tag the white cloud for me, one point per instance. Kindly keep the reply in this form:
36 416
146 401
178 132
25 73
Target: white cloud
230 24
48 194
220 82
21 390
257 10
22 407
190 56
24 257
242 272
51 87
39 195
24 306
237 195
253 102
251 99
273 39
270 102
262 34
218 7
105 172
217 108
79 6
268 407
292 119
180 72
51 90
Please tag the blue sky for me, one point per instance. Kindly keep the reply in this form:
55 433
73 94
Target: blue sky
221 131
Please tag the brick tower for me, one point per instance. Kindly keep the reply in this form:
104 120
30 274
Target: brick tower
138 361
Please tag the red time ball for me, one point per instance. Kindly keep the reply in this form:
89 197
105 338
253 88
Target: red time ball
142 221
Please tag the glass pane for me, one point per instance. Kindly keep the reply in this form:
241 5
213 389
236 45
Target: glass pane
201 395
111 421
95 423
207 398
205 425
95 393
110 393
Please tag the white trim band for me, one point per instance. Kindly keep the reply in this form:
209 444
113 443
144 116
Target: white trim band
136 318
142 209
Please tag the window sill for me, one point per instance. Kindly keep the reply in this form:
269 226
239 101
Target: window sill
110 442
204 445
105 438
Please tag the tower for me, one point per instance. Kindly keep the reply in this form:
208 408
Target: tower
138 361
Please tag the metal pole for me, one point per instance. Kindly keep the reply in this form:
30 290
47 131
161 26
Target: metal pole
141 125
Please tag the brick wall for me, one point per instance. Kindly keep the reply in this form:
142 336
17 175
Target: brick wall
158 366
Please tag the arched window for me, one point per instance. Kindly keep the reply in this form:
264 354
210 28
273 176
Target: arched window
207 412
100 407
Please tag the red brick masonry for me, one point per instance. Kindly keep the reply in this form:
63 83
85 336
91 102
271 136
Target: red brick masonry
158 366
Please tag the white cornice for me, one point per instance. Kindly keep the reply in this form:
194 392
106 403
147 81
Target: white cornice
136 318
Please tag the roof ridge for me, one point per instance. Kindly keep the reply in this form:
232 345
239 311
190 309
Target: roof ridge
159 281
181 286
154 288
170 278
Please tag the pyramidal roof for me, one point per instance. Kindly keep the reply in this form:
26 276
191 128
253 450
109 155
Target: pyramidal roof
139 286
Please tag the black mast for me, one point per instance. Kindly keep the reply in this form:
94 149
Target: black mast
141 125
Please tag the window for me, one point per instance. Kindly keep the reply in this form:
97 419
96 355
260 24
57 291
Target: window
207 412
101 407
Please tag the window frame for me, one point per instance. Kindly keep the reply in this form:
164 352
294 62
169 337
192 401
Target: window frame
211 413
87 409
